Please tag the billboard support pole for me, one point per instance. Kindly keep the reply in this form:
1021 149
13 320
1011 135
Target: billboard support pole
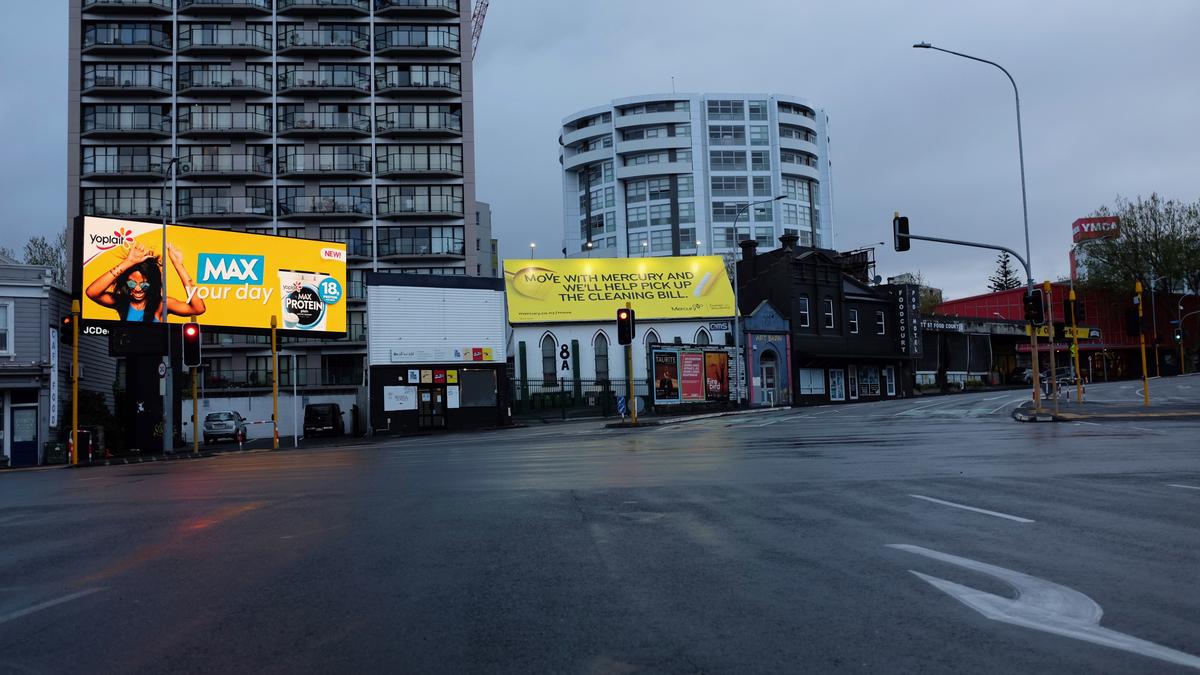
629 378
75 381
274 384
168 437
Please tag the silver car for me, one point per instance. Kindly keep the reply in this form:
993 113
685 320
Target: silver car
224 424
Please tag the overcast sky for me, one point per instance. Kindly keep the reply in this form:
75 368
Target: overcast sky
1110 94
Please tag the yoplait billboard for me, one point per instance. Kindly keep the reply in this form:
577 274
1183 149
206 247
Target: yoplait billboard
221 278
591 289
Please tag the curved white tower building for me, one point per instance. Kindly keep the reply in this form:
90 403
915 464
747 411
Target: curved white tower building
667 174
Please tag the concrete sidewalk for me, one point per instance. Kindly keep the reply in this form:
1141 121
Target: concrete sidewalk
1069 411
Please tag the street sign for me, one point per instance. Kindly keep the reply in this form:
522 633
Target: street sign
622 409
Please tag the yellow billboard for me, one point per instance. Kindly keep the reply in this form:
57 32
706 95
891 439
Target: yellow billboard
222 278
592 289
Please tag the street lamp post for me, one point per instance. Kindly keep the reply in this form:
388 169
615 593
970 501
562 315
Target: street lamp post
168 436
532 248
737 310
1024 200
1154 322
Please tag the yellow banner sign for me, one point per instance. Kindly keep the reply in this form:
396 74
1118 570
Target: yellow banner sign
222 278
592 289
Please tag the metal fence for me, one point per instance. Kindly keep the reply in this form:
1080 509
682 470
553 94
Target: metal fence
572 398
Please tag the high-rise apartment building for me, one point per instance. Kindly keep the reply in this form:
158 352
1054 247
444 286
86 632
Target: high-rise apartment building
668 174
342 120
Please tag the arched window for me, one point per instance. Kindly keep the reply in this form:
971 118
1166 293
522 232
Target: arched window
702 337
600 348
652 336
549 362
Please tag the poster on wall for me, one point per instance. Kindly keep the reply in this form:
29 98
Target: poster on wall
666 377
716 375
691 376
396 398
452 398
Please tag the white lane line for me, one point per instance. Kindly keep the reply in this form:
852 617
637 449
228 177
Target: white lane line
774 421
1008 403
1095 424
951 401
1186 487
1142 429
995 398
972 508
48 604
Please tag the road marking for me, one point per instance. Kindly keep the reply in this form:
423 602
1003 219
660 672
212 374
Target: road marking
1005 405
1142 429
1186 487
774 421
993 398
1042 605
1095 424
972 508
48 604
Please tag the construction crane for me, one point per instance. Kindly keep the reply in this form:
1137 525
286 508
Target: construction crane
478 14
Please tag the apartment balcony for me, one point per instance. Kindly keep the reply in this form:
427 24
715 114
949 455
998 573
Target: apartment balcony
225 6
800 144
325 41
227 124
105 39
446 248
127 6
143 167
138 82
400 42
203 209
324 82
324 124
223 41
412 206
403 83
326 7
318 207
156 125
582 159
802 121
416 8
360 249
224 166
354 166
304 378
418 125
439 165
133 209
802 170
224 82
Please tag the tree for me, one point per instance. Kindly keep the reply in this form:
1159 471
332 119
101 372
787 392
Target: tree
40 251
1005 278
1159 238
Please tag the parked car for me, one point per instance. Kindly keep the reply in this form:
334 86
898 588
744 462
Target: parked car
323 419
224 424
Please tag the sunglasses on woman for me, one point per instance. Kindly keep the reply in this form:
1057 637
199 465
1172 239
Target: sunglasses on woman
134 285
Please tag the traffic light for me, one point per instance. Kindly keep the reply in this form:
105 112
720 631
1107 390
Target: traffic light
625 326
1067 310
1133 322
66 331
191 345
900 233
1179 335
1035 310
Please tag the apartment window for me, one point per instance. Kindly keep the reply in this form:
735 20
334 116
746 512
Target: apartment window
608 171
659 188
723 237
812 381
765 236
854 321
789 131
829 313
797 189
6 322
655 107
759 135
660 241
758 110
880 323
793 109
726 110
760 160
762 186
635 217
357 324
797 157
720 134
659 157
802 310
420 199
683 129
687 212
398 35
687 237
115 202
727 160
725 212
258 371
110 159
418 77
791 214
660 214
600 350
683 187
764 212
728 186
638 243
635 191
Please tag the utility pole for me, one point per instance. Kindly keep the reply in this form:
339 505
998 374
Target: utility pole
1075 350
1050 328
1137 287
274 383
75 307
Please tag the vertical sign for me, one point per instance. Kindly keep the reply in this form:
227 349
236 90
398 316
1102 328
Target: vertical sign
666 377
53 377
691 376
908 313
716 375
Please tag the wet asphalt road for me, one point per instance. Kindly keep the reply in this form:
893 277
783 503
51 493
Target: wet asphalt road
756 543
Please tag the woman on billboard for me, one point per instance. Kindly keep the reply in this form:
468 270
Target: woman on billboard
134 287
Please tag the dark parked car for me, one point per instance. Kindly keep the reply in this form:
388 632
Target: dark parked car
224 424
323 419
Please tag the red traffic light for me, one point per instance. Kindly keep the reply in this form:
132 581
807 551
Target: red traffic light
190 330
622 315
